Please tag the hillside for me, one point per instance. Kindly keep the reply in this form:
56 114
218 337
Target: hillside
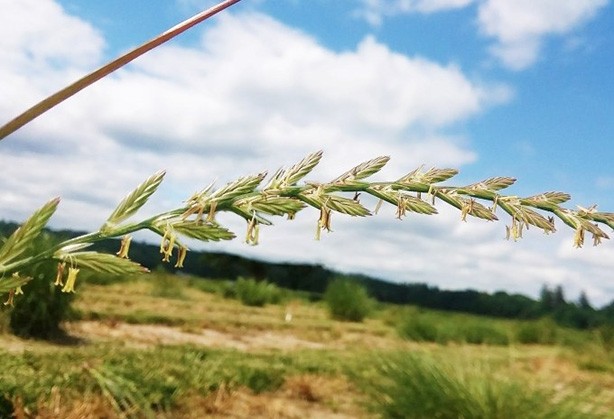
315 278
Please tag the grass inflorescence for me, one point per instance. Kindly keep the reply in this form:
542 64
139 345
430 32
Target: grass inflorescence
284 194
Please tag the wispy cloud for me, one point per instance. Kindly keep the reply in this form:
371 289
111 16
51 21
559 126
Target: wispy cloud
375 11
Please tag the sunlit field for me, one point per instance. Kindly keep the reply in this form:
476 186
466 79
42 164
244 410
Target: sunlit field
177 346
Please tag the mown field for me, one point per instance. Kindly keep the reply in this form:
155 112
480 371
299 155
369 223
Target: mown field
165 346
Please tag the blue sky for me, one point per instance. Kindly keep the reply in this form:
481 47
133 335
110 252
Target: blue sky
491 87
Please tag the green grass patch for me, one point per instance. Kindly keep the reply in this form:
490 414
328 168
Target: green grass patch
543 331
430 326
154 379
167 285
413 385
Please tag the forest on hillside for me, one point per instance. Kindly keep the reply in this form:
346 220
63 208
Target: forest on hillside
314 279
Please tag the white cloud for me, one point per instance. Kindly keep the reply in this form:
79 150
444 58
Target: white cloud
296 97
519 27
41 50
254 96
46 38
374 11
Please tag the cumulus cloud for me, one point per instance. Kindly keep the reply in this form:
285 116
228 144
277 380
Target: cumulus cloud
302 81
257 81
254 88
520 27
255 95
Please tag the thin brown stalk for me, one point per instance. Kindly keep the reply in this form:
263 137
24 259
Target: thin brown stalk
63 94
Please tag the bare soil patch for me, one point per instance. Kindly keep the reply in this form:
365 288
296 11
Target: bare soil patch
146 335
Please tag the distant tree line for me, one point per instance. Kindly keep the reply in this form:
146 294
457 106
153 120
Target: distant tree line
314 279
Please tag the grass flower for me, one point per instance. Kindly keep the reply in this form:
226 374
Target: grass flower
253 231
167 244
125 247
14 291
578 239
323 221
70 280
10 301
60 274
400 208
467 209
291 196
211 215
183 251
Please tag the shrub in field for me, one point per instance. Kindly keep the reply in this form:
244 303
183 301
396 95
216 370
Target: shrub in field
481 333
544 331
347 300
260 379
595 357
256 293
96 278
228 289
605 334
210 286
5 318
167 285
418 329
39 313
426 327
418 386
